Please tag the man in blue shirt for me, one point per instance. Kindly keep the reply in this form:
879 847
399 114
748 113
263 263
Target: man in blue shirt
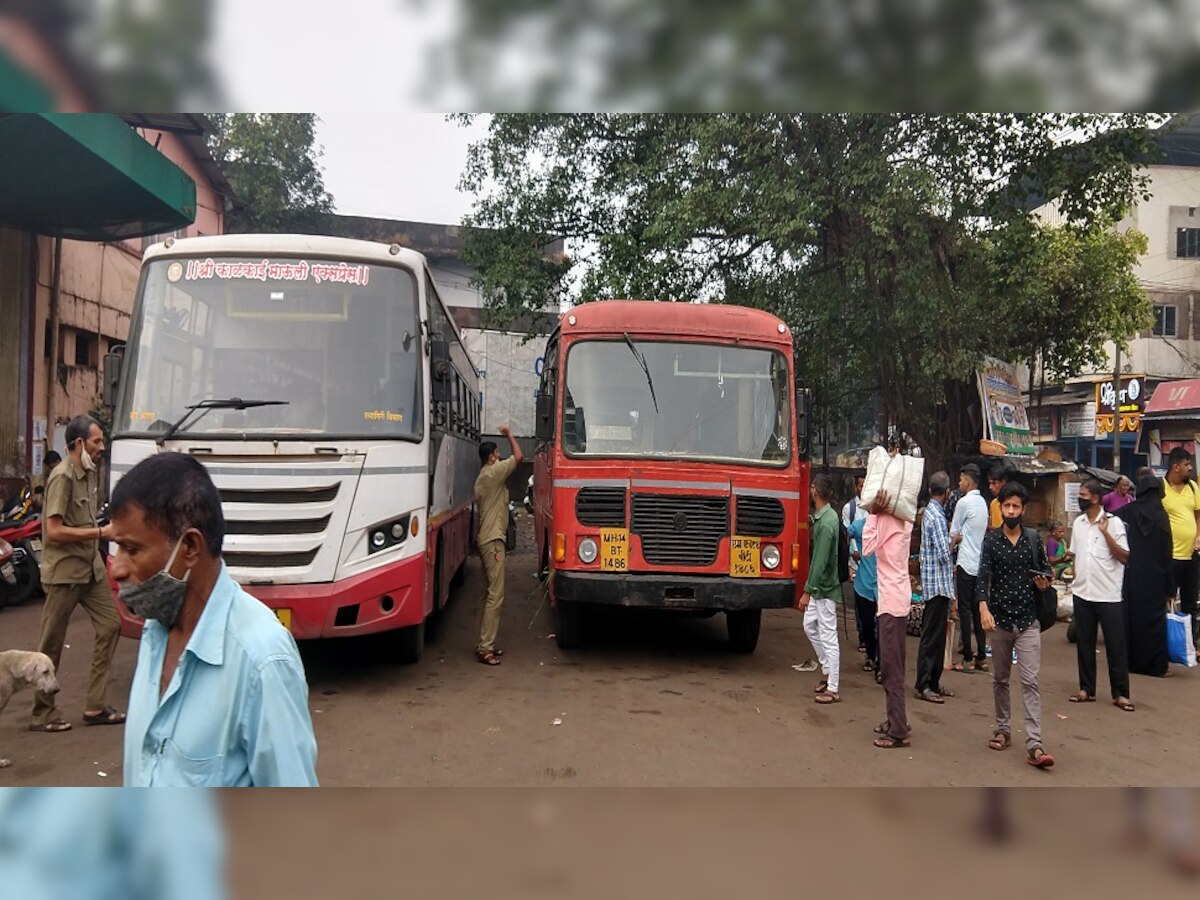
937 586
219 697
967 528
865 594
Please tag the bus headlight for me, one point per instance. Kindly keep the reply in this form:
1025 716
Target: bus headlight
378 539
588 550
770 556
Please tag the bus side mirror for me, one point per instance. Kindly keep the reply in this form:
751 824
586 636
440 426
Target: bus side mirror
112 378
439 368
803 423
543 428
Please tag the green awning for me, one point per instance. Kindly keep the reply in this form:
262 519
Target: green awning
88 176
20 91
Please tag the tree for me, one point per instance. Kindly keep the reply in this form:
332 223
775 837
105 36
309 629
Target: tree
272 163
900 248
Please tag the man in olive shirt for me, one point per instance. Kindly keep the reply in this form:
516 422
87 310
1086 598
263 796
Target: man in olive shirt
74 575
491 498
819 600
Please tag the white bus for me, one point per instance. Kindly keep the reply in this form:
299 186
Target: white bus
326 389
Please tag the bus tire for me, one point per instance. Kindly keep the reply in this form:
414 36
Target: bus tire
568 624
744 626
410 644
433 624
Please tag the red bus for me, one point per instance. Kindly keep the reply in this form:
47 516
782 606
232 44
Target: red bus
671 465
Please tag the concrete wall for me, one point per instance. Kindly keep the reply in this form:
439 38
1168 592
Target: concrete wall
510 370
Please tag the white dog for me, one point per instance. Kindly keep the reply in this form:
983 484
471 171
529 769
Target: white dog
23 668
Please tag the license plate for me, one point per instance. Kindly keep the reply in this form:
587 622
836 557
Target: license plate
614 550
35 545
285 617
743 557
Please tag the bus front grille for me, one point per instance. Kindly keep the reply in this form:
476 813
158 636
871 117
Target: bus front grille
237 559
679 530
601 507
759 516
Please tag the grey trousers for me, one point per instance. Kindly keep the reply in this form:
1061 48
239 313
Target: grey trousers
1028 644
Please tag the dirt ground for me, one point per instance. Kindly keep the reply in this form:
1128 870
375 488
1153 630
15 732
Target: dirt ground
650 699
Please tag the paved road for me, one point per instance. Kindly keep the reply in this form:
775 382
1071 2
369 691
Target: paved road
652 699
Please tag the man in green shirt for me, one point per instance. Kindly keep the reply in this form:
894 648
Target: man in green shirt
74 574
491 500
819 601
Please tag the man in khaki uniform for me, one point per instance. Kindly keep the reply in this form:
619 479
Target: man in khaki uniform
491 500
74 575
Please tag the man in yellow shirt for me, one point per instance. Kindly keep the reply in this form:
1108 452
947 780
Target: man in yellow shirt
491 501
997 478
1181 500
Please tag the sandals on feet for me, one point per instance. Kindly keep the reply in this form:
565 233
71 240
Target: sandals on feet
882 728
822 686
1000 741
827 698
887 742
52 727
1123 703
929 696
488 657
106 716
1082 697
981 665
1039 758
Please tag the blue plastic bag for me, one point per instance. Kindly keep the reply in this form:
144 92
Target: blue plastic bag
1181 650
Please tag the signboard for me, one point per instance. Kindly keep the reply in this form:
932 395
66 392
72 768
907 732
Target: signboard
1005 417
1077 421
1044 425
1121 410
1071 497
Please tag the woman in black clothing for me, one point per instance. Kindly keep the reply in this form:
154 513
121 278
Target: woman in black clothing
1147 587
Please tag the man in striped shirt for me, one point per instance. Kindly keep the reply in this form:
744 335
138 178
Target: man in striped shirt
937 587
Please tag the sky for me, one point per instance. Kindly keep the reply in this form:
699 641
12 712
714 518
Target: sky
396 165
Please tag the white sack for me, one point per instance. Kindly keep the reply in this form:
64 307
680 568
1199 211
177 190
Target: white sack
900 476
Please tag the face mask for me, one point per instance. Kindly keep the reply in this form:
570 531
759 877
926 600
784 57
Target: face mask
1012 521
159 597
85 460
1085 503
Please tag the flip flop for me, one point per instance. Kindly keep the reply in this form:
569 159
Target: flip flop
52 727
827 698
106 716
1081 697
1124 704
929 696
1039 758
887 742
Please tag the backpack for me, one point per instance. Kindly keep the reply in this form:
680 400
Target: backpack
843 554
1047 600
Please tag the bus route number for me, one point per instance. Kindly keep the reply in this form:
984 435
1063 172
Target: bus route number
614 550
743 557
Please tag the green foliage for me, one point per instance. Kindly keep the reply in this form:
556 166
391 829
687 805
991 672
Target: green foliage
272 163
899 247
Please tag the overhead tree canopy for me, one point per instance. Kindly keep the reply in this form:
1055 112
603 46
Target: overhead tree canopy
272 163
899 247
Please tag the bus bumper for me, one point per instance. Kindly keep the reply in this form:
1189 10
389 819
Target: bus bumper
380 600
674 591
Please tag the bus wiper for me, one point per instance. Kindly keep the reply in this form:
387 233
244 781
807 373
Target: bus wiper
641 358
205 405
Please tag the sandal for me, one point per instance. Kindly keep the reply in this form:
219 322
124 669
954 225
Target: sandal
887 742
827 698
944 692
52 727
822 686
1000 741
1123 703
958 667
929 696
106 716
1039 758
981 665
867 667
1081 697
488 657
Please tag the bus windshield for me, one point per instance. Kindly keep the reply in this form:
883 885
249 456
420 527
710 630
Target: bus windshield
703 401
339 343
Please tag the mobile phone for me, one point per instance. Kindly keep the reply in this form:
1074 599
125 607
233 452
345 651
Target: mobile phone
1039 573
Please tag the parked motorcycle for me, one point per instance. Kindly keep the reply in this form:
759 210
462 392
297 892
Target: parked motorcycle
8 574
24 536
529 495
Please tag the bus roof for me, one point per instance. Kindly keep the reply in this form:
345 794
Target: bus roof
283 245
651 318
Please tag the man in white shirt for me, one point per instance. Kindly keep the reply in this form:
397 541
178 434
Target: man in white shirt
967 530
1101 549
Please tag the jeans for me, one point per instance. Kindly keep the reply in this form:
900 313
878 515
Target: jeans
1028 644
